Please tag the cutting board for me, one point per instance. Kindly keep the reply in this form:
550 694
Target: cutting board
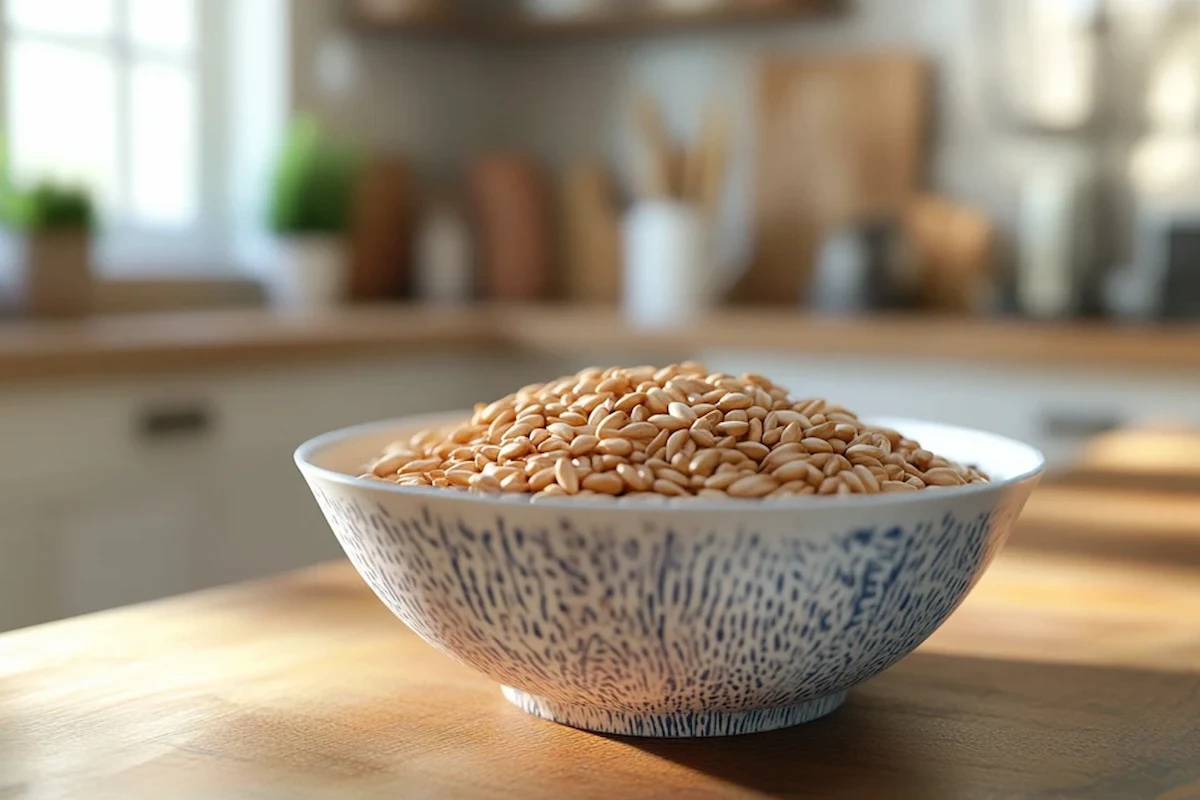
840 139
591 235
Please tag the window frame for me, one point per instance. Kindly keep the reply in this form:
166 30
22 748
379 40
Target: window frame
125 248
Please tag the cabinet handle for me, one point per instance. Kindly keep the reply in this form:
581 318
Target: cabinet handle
1074 425
174 422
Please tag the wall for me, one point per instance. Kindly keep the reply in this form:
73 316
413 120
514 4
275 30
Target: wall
427 100
440 101
570 101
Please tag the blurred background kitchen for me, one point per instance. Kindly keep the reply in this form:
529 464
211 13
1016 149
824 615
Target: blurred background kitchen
231 225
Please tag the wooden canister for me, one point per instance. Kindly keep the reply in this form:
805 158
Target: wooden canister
514 229
381 232
591 241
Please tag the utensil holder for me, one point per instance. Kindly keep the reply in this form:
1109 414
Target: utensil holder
668 268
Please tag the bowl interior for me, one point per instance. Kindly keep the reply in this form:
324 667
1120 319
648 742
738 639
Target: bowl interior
347 452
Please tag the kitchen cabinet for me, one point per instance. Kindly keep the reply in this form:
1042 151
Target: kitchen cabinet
128 537
98 538
133 490
27 592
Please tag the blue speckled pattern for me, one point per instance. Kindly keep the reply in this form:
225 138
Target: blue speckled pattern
665 625
675 724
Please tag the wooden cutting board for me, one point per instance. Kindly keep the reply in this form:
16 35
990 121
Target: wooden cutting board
840 139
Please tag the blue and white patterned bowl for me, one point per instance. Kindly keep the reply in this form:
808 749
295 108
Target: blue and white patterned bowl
683 617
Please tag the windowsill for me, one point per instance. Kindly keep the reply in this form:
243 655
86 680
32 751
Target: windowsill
133 280
138 294
143 292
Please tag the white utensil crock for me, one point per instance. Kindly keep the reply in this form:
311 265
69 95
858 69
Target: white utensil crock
668 266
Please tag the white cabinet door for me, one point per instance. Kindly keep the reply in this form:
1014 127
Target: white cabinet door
267 520
127 536
28 589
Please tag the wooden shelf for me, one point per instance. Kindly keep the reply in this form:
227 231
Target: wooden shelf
522 29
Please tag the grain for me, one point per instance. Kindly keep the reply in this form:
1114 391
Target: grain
639 430
614 446
669 488
682 411
733 402
753 486
755 450
562 430
676 441
582 445
668 422
733 428
566 476
390 465
604 483
633 478
541 479
678 431
702 436
705 462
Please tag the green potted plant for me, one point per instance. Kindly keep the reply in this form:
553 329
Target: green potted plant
310 209
57 222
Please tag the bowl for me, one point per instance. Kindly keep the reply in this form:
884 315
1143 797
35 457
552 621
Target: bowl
672 618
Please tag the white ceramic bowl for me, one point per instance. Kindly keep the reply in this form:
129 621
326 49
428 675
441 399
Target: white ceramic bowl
685 617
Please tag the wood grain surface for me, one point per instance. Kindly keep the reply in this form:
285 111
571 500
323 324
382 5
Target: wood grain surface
1067 673
153 343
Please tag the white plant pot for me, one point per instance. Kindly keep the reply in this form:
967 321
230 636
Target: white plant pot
669 275
309 273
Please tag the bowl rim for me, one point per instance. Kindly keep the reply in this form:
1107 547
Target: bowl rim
304 453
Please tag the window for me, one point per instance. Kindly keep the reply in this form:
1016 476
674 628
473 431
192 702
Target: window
115 94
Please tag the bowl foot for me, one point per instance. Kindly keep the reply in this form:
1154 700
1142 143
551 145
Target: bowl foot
683 724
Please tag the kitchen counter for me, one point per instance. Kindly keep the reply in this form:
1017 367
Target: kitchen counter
1073 669
141 344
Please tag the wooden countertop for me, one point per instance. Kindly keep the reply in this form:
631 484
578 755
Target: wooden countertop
1072 670
218 340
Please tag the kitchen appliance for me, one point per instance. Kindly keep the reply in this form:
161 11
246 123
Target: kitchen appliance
1166 269
1055 239
863 267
